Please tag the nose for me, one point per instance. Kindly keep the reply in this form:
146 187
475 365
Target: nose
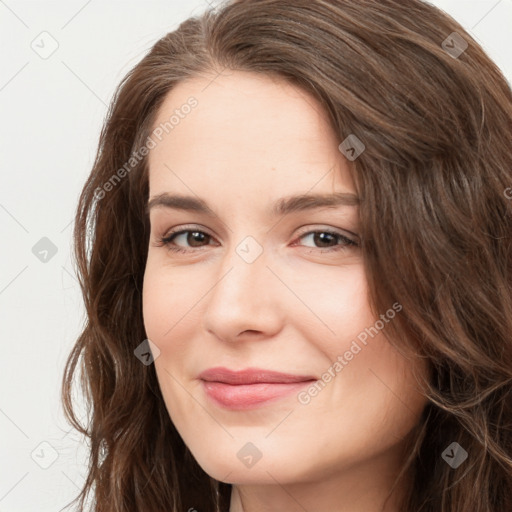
244 300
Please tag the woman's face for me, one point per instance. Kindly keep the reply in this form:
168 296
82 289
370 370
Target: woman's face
264 281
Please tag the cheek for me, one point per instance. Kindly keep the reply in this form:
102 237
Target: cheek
167 310
364 379
169 301
154 305
340 301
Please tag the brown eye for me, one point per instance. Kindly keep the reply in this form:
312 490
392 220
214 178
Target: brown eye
188 239
329 240
196 238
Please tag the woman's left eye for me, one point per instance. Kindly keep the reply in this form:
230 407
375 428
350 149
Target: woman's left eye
338 240
327 240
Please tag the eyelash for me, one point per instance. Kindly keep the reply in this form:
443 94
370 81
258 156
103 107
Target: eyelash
167 240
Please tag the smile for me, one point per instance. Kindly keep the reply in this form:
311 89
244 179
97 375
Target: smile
250 388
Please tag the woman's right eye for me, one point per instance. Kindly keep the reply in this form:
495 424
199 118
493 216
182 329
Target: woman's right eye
189 236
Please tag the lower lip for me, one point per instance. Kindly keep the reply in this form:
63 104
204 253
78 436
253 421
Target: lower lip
250 396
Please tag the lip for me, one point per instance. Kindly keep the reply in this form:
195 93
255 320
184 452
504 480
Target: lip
251 387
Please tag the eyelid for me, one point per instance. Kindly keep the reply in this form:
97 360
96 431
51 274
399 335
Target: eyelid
187 227
321 227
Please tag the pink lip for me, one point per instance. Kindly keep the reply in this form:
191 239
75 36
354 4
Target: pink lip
247 389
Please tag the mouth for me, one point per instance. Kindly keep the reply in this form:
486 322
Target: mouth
250 388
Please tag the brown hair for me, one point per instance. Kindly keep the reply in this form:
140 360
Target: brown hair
436 230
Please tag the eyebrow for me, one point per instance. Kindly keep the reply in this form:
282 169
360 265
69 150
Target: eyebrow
281 207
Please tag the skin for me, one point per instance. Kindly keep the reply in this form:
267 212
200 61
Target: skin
251 140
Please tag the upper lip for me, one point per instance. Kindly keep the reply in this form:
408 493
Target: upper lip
250 376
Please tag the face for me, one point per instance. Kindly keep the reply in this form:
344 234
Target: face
256 280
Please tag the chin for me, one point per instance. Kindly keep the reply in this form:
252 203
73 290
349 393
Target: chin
231 469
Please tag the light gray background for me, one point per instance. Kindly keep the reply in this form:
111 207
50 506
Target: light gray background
52 110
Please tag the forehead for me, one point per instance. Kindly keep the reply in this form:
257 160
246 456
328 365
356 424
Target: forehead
248 130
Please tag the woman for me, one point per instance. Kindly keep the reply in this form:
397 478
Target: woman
298 272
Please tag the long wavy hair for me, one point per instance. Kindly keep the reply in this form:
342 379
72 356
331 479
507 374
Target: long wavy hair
435 184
